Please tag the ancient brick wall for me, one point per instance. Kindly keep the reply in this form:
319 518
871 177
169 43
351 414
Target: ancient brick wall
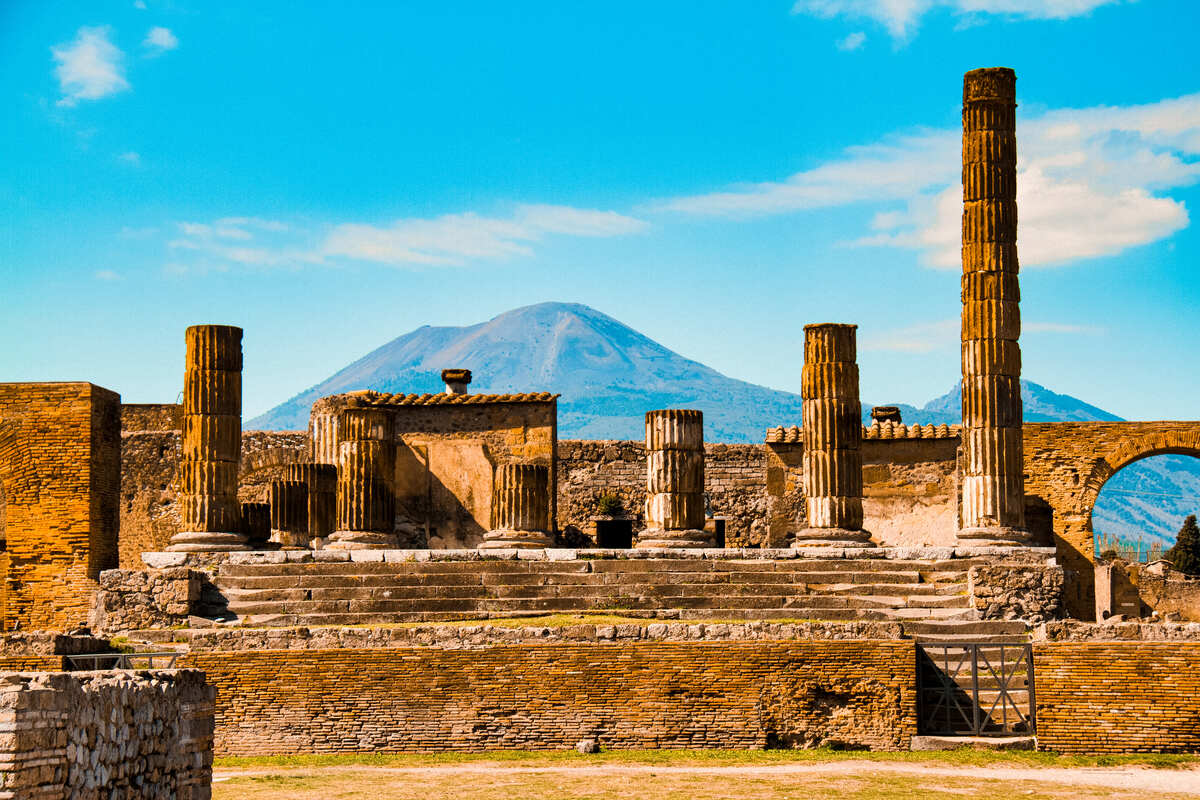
96 734
59 457
1066 465
1118 697
640 695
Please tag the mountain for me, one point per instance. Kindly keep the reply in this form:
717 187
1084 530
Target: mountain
609 375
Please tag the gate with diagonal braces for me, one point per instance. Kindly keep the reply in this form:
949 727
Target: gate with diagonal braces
975 689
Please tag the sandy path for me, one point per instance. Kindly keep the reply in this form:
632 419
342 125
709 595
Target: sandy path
1179 781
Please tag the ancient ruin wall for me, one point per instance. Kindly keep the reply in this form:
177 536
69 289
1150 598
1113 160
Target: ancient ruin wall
629 695
59 464
91 734
1118 697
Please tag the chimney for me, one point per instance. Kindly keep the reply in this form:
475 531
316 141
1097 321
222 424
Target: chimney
456 380
882 414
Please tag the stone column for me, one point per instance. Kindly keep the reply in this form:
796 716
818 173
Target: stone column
993 491
321 480
289 514
366 516
674 480
832 431
256 524
520 508
212 441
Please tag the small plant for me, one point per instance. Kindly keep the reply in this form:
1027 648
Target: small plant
1108 555
609 505
1185 555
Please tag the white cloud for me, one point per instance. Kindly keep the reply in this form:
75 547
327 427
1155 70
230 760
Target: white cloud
1091 183
455 238
130 157
852 42
89 67
901 17
924 337
160 40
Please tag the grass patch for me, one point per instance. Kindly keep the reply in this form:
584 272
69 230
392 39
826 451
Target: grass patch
961 757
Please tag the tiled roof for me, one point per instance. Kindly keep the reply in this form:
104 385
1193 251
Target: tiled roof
369 398
793 434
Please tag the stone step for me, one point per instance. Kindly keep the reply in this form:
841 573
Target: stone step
935 631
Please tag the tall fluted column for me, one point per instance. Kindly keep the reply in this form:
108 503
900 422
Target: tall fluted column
832 439
674 480
366 516
212 441
993 491
321 480
289 514
520 508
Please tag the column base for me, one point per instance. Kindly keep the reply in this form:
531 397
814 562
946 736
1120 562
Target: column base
515 540
361 540
673 539
998 536
207 542
289 540
832 537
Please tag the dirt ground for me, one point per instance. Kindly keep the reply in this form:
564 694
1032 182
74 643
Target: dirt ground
843 779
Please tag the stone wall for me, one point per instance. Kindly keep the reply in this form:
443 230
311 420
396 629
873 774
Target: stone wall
549 696
103 734
45 650
139 600
1029 590
1118 697
60 469
1066 465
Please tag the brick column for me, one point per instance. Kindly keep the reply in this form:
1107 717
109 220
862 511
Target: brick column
674 480
256 524
520 508
993 491
212 441
832 432
366 516
289 514
321 480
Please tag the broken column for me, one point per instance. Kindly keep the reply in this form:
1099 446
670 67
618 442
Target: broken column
674 480
993 492
366 517
321 483
256 524
289 514
832 439
520 508
212 441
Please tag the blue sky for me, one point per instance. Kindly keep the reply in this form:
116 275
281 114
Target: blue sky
716 175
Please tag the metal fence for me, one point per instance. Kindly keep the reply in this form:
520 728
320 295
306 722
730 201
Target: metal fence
975 689
106 661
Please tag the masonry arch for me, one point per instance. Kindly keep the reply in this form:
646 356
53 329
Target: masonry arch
258 469
1159 443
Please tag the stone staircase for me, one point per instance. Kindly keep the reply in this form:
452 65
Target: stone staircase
929 598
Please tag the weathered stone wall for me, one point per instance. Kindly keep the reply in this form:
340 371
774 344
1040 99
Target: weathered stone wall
59 465
1118 697
138 600
44 650
1030 590
102 734
539 696
1066 465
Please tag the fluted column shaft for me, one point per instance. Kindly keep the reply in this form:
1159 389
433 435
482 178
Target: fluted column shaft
366 516
520 507
993 496
212 441
321 481
832 433
289 514
674 480
256 523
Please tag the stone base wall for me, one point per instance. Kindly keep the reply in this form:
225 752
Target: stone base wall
1118 697
530 696
103 734
138 600
1029 590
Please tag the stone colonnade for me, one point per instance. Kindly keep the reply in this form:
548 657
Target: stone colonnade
212 441
289 514
674 480
366 516
993 496
520 508
321 482
832 439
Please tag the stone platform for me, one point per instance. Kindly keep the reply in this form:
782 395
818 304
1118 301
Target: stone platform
937 592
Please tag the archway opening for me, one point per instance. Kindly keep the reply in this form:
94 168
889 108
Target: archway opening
1141 508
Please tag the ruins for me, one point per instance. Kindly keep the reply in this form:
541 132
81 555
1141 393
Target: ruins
809 589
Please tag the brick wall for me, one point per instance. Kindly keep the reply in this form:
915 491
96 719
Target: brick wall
59 464
637 695
1118 697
